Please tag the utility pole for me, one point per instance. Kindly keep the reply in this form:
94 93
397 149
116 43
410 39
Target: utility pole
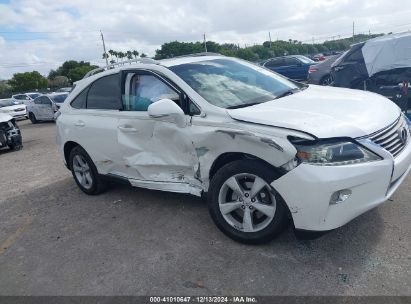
353 30
269 35
205 43
104 47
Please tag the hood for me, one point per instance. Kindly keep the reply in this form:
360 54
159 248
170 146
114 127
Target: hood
12 108
324 112
5 117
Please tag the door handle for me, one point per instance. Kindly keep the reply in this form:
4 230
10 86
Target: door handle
127 129
79 124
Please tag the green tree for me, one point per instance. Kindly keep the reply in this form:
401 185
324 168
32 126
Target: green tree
135 53
143 55
79 72
27 81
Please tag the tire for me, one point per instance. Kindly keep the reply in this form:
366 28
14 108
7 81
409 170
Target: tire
263 228
326 80
92 183
33 118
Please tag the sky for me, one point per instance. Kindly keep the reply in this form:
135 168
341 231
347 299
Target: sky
42 34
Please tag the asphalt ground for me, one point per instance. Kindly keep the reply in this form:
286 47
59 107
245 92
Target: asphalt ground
55 240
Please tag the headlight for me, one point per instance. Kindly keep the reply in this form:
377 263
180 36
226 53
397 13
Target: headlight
332 153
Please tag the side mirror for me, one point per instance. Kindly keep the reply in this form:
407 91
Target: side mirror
166 109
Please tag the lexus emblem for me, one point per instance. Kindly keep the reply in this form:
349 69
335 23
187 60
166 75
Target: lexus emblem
403 135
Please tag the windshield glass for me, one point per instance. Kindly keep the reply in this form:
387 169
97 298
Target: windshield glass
6 103
34 95
59 98
305 59
227 83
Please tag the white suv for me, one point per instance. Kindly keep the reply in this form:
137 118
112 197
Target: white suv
265 149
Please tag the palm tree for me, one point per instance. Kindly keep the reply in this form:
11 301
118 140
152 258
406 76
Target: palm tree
135 53
105 55
143 55
121 55
129 55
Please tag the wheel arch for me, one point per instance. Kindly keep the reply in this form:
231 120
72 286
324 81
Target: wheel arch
68 147
229 157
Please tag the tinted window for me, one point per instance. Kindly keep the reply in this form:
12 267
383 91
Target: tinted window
45 101
59 98
80 101
291 61
38 100
34 95
275 63
355 56
142 90
105 93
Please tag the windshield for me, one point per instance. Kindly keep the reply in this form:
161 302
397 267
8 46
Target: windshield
227 83
6 103
305 59
34 95
59 98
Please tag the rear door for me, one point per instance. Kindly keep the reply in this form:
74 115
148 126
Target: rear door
294 69
93 119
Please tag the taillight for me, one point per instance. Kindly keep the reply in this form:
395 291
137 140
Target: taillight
312 70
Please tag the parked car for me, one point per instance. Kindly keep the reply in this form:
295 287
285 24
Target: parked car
381 65
293 67
57 99
26 98
319 57
15 110
263 148
10 135
64 90
321 73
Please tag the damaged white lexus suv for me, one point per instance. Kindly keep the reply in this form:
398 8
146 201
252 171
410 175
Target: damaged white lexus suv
267 151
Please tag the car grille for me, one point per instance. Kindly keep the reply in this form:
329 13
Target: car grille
394 138
19 110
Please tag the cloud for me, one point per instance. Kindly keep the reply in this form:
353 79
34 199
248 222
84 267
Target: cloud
70 29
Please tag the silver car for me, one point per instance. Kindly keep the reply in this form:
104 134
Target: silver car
44 107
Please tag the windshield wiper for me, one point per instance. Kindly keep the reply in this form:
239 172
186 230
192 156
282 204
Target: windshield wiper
288 92
243 105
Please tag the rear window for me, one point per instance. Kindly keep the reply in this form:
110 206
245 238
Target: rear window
59 98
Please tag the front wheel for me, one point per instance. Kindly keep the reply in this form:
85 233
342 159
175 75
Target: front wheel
243 205
33 118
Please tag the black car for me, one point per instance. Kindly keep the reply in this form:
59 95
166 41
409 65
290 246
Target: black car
381 65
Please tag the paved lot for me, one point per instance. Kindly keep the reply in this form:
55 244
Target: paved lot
55 240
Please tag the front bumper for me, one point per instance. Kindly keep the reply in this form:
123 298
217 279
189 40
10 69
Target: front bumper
307 189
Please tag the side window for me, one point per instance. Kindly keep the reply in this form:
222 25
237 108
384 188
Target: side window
193 109
45 101
141 90
37 100
356 56
274 63
291 61
80 101
105 93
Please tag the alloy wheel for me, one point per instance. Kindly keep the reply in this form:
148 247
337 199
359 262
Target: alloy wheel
247 202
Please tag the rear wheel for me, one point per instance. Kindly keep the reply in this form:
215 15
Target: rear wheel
33 118
85 172
326 80
243 205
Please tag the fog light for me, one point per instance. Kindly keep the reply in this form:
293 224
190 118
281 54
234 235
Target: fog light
340 196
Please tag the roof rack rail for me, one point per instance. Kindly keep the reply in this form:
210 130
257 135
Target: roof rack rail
117 64
197 55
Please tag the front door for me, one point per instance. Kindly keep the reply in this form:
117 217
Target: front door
156 154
